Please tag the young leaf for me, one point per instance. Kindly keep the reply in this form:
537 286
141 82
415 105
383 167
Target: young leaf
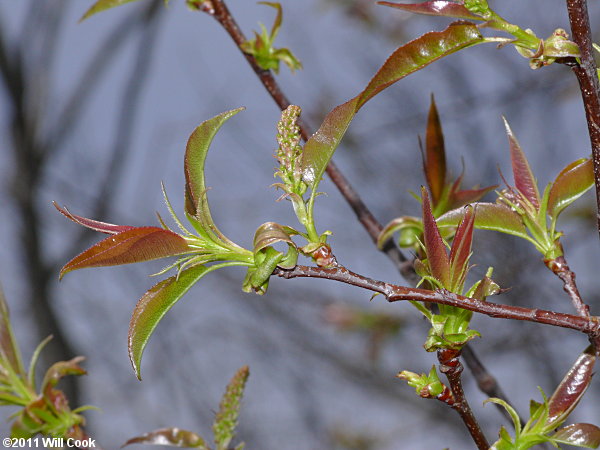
461 250
524 179
490 216
270 233
102 5
570 184
407 59
9 351
171 437
413 224
571 388
434 244
95 225
155 303
435 8
229 409
578 434
196 203
434 164
135 245
60 370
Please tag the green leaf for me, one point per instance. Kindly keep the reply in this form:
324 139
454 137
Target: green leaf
409 223
490 216
196 202
570 184
155 303
270 233
524 180
135 245
229 409
511 412
9 350
434 164
435 8
578 434
570 390
102 5
407 59
171 437
437 257
60 370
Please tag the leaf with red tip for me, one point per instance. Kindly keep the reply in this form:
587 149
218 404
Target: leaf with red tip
407 59
155 303
460 198
196 203
461 250
436 8
171 437
490 216
269 233
570 184
60 370
524 179
135 245
9 351
571 388
414 224
434 164
435 248
95 225
578 434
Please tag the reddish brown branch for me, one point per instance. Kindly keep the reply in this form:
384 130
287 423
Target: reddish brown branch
451 366
395 293
562 270
588 82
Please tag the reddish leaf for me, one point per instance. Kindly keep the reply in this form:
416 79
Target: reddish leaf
434 244
461 249
436 8
460 198
434 164
407 59
171 437
270 233
131 246
579 434
524 179
60 370
398 224
571 388
570 184
95 225
490 216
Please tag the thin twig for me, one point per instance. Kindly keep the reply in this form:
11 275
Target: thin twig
588 82
451 366
394 293
562 270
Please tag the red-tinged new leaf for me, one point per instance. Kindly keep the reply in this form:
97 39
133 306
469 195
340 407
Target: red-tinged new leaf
570 184
578 434
398 224
461 249
435 8
434 164
102 5
407 59
60 370
170 437
136 245
95 225
9 351
270 233
571 388
524 179
435 248
196 203
458 198
490 216
153 306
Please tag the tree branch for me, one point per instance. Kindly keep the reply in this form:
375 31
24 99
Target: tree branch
588 82
562 270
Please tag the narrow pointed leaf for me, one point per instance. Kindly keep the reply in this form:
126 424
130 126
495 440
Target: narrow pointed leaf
9 350
407 59
170 437
463 197
196 203
270 233
490 216
434 244
579 434
461 248
103 5
571 388
95 225
570 184
155 303
60 370
136 245
524 179
399 224
435 155
278 18
435 8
